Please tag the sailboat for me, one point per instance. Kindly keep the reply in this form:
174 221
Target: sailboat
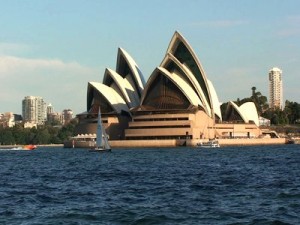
102 144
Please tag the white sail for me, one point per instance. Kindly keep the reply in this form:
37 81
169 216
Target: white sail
105 140
99 131
102 144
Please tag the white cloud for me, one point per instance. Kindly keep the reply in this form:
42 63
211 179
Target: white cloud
61 83
12 65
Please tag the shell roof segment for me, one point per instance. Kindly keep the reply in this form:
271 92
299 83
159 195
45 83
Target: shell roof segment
107 94
215 100
128 69
181 49
246 111
171 63
171 87
122 86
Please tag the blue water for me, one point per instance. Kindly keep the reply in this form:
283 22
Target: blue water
232 185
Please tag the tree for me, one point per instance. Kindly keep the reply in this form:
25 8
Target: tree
7 137
253 91
260 101
44 134
292 111
42 137
277 116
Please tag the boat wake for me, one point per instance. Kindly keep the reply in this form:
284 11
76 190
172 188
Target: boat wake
21 148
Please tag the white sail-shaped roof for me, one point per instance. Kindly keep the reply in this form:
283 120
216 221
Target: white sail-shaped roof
250 111
186 89
177 80
215 100
129 70
122 86
111 96
188 75
181 49
247 112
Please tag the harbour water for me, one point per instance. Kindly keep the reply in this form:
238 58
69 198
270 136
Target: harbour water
231 185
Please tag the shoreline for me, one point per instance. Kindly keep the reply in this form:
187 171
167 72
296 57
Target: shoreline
14 146
180 143
169 143
193 142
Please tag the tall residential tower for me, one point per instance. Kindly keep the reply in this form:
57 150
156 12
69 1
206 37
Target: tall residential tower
275 88
34 110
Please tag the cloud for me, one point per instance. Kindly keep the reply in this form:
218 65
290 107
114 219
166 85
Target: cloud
13 65
219 23
61 83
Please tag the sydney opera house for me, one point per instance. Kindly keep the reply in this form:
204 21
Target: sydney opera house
177 102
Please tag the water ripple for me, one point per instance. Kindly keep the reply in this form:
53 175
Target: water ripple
241 185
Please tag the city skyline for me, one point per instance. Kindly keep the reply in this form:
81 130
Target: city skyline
53 49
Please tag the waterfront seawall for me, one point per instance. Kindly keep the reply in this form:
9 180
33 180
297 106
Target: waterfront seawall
193 142
252 141
173 143
296 141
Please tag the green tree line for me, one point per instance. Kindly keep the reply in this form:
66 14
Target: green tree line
43 134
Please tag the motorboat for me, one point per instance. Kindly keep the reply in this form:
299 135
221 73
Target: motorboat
24 147
213 143
29 147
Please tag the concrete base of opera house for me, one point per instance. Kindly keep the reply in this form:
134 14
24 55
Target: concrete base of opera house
193 142
181 142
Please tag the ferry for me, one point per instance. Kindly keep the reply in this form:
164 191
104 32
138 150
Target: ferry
209 144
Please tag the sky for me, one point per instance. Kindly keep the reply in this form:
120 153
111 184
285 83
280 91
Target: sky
53 48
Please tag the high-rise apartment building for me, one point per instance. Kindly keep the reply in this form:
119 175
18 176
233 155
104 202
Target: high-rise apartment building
7 119
33 110
275 88
67 116
50 109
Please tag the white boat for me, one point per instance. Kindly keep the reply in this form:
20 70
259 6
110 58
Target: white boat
209 144
102 144
212 142
81 141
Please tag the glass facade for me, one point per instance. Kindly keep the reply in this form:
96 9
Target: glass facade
164 94
96 100
185 57
172 67
124 70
